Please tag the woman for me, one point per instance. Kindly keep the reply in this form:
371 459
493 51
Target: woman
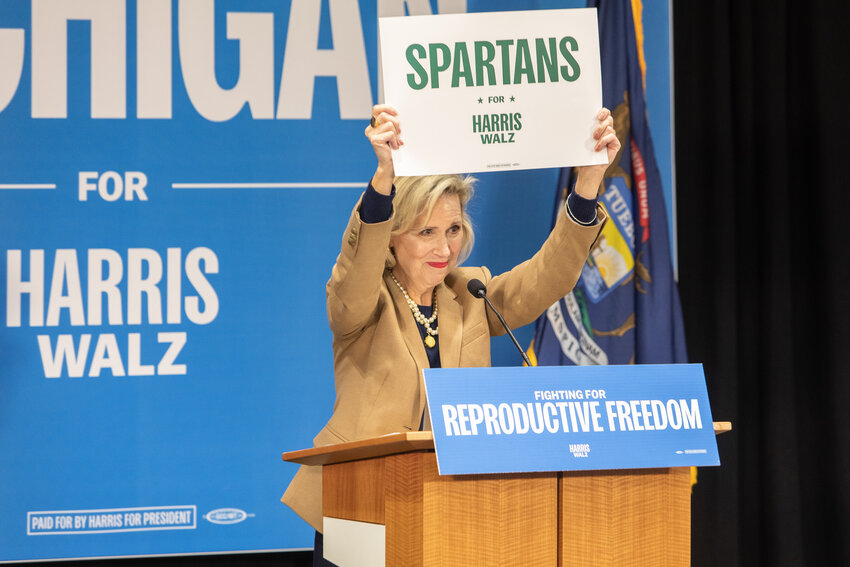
398 303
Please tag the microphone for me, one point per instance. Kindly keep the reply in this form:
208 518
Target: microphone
478 289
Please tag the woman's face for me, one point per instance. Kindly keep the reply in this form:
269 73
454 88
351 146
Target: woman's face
427 252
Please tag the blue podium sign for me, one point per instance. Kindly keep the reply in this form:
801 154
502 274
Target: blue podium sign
506 420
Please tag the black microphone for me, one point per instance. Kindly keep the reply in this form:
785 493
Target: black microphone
478 289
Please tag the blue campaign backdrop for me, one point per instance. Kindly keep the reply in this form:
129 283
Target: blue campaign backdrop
163 339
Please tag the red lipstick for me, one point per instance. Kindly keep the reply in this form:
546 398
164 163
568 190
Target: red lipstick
438 265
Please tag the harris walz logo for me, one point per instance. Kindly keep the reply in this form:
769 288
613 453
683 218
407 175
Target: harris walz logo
580 450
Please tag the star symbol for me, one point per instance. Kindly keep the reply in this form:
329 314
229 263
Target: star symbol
513 99
480 100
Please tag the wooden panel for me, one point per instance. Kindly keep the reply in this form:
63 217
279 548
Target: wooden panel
634 517
487 520
363 449
404 508
490 520
354 491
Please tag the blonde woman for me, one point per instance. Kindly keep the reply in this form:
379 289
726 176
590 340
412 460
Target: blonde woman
398 301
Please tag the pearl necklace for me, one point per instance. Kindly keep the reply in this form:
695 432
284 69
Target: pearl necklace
419 317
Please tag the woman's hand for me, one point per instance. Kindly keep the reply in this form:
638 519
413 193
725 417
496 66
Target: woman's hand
383 132
590 176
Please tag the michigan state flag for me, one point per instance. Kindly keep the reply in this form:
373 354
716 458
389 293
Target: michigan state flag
625 308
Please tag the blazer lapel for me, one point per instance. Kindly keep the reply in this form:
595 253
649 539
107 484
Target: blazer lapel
450 321
407 324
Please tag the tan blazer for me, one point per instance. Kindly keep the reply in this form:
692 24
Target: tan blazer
379 354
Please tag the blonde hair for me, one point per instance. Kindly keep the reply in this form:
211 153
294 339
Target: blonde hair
417 196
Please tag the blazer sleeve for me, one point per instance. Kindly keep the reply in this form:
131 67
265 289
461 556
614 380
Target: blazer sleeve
357 277
527 290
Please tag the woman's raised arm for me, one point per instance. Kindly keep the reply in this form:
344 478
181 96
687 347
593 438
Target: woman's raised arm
384 131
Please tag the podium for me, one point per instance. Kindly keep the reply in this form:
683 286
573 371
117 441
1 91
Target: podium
592 518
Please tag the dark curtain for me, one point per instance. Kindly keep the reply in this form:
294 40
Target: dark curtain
761 152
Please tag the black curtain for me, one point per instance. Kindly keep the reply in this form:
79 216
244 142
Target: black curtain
763 217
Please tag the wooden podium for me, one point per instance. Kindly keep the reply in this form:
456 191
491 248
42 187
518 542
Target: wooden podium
596 518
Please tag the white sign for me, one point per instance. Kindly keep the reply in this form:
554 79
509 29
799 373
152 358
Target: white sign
493 91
